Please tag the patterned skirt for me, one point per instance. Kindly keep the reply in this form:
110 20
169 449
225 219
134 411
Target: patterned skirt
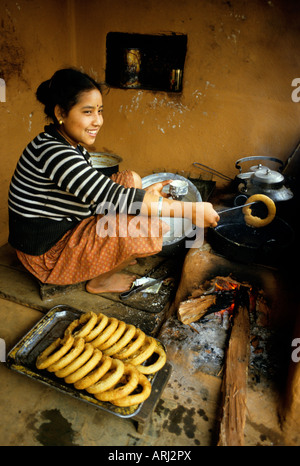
97 245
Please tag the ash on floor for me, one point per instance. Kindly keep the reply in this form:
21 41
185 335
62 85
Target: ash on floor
203 345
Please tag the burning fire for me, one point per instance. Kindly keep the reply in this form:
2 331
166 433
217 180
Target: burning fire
217 296
221 285
230 288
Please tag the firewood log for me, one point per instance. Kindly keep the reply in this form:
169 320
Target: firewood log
193 309
234 386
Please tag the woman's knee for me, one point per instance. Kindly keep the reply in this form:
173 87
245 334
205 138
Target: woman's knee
127 178
137 180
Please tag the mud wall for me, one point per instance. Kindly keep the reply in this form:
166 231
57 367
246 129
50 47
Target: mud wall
237 95
35 39
236 99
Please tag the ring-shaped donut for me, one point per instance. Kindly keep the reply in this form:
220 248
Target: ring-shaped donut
71 327
77 363
138 398
257 221
115 336
93 377
107 332
100 326
86 368
54 352
145 352
122 342
110 379
74 352
131 376
133 347
157 365
88 320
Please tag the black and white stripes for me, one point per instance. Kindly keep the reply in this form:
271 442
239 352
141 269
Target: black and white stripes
55 180
53 188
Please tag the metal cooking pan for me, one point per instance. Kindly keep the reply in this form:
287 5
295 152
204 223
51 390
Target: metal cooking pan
180 229
237 241
106 163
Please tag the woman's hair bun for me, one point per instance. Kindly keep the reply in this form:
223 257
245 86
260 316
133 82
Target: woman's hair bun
43 92
64 89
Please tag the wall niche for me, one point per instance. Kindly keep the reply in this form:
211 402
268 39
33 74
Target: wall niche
144 61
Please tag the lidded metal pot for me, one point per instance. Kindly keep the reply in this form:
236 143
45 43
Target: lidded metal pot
261 179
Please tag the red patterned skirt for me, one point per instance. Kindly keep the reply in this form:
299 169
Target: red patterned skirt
93 248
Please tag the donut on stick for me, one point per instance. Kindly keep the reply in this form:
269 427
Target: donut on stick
258 222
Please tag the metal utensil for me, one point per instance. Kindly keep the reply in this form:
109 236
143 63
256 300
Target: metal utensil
137 288
237 207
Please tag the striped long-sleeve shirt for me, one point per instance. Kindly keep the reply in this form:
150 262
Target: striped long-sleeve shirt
54 186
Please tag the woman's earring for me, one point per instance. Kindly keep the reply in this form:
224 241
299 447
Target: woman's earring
60 122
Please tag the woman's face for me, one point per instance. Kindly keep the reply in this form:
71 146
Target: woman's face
84 120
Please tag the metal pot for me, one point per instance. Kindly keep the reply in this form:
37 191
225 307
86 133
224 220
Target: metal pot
262 180
105 162
237 241
180 229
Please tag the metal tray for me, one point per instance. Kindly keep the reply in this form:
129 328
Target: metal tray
22 358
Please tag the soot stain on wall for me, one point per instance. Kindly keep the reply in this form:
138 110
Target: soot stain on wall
12 54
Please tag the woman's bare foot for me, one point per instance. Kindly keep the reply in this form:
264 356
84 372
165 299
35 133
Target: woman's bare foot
133 262
115 283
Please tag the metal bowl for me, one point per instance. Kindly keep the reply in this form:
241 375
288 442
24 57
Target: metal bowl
180 229
105 162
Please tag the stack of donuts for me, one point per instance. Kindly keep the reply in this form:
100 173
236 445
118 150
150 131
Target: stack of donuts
106 357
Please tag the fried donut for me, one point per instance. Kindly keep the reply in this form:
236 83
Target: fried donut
88 320
69 330
133 347
131 378
75 351
93 377
86 368
115 336
157 365
107 332
102 321
144 353
77 363
50 356
110 379
257 221
126 338
135 399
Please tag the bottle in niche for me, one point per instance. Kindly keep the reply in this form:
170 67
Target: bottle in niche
132 68
175 80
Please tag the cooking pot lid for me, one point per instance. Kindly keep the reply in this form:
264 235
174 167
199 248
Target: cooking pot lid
266 175
254 168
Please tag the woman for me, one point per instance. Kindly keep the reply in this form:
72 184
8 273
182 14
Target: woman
57 200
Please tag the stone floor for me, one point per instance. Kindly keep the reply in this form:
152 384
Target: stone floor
187 410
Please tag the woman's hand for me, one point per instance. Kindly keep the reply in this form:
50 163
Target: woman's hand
204 215
156 188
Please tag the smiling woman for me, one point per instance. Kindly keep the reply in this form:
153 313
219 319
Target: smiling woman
57 198
84 120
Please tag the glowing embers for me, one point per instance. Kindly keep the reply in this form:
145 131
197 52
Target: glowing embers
215 296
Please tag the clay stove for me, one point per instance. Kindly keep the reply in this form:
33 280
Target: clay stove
272 309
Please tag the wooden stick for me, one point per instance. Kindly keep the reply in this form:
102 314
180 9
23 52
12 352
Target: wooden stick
234 385
193 309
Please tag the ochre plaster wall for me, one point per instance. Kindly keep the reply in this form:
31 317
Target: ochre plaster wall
35 40
236 100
